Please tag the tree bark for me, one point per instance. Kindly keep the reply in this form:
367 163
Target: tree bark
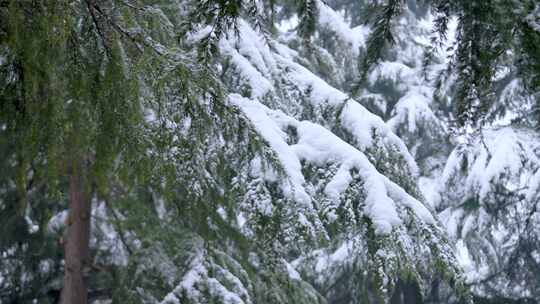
77 242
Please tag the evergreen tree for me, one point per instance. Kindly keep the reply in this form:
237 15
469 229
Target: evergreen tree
207 153
74 108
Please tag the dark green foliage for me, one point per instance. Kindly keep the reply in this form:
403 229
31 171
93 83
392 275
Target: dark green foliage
219 16
93 81
381 36
307 13
482 40
69 93
529 54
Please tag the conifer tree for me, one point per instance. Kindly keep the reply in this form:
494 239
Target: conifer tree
207 155
73 107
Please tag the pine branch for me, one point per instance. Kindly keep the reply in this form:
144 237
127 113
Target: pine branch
91 5
381 36
307 13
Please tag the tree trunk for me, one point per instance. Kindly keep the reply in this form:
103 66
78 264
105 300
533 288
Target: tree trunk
77 242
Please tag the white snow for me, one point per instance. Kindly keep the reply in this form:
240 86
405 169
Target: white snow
316 144
276 138
361 123
430 190
535 186
197 272
170 298
293 274
412 108
501 153
319 146
355 37
256 62
450 218
396 72
288 25
258 83
327 259
226 296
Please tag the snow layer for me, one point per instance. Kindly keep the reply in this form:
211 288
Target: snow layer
206 279
498 153
488 188
355 37
412 108
264 65
319 146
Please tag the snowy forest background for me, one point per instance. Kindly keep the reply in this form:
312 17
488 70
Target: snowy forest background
276 151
